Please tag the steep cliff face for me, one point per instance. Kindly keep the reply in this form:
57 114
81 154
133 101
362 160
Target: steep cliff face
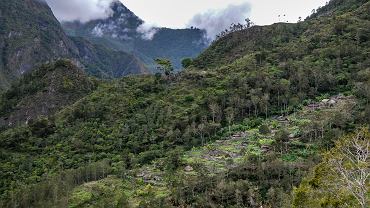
29 34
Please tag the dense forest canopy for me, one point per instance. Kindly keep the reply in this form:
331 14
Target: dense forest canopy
244 125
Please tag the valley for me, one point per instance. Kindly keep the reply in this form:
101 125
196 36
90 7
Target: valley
266 116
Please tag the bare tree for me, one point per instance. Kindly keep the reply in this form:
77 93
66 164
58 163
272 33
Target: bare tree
215 110
351 161
201 129
229 117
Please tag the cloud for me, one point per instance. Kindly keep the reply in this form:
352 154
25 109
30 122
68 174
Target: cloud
82 10
147 31
215 21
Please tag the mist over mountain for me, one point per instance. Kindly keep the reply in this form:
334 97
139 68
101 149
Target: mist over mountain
215 21
124 31
81 10
271 116
30 35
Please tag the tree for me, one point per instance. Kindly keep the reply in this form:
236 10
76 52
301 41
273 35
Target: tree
342 179
264 129
281 138
265 102
186 62
229 117
42 127
248 23
215 111
350 160
173 160
201 131
164 65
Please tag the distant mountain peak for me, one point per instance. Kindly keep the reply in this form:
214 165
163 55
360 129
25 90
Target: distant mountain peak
119 10
121 24
122 30
118 7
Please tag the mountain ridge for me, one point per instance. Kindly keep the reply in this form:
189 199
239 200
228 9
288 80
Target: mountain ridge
30 35
240 127
121 31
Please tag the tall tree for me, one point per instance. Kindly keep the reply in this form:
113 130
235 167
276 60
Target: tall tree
164 65
350 160
230 116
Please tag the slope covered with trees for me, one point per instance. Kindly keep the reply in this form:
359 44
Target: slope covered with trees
43 92
342 178
30 35
286 92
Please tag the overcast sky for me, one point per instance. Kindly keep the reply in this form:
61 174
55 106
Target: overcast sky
212 15
178 13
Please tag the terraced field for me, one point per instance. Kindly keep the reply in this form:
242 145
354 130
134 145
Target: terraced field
295 137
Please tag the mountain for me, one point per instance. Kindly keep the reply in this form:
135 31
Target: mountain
297 37
30 35
43 92
104 62
124 31
244 125
335 7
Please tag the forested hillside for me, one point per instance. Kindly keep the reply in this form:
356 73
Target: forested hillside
43 92
244 125
30 35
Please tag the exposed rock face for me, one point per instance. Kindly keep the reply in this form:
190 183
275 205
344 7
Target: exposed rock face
30 35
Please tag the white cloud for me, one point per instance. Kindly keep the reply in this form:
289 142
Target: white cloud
215 21
147 31
82 10
177 13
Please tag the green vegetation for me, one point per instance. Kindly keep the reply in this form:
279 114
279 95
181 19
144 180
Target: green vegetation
173 44
104 62
240 127
24 40
43 92
30 35
164 65
342 178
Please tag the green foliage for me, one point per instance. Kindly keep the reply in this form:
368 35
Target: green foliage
341 179
43 92
264 129
105 62
141 121
30 35
173 160
187 62
42 127
164 65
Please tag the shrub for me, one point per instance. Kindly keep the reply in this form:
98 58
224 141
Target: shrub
264 129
